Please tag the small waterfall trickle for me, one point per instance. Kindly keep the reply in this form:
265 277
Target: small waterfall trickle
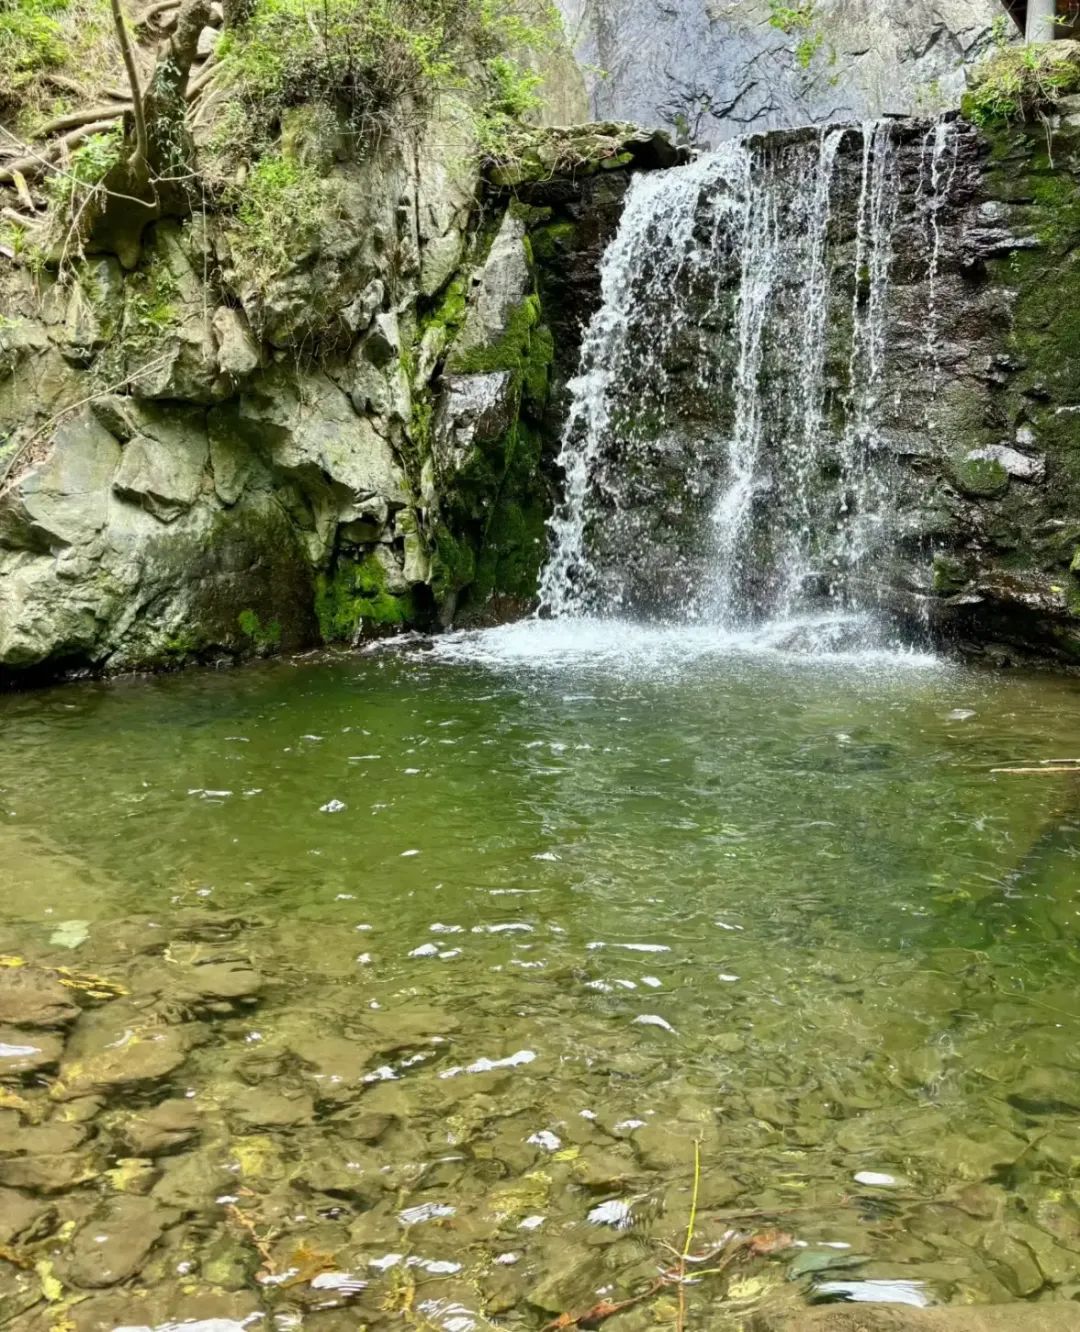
723 456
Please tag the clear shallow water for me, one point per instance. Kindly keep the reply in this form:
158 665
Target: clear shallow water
593 893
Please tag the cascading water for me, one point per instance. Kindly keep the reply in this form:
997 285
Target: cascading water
722 454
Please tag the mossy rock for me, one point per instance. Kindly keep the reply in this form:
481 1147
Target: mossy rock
981 478
354 597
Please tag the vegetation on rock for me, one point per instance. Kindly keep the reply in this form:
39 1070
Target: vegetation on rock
1018 82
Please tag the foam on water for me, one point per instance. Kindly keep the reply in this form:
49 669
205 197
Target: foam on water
628 647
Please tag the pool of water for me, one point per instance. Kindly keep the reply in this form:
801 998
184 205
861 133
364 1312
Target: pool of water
520 925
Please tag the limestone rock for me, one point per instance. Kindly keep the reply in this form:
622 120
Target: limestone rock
473 409
501 286
164 475
63 501
237 351
720 70
446 185
310 428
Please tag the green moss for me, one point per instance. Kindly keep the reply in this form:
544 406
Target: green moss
453 565
354 596
179 646
450 311
949 575
263 637
512 350
981 477
552 242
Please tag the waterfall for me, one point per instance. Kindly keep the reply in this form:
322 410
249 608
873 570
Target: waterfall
722 455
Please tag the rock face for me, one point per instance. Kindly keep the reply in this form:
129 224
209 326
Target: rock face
718 68
195 464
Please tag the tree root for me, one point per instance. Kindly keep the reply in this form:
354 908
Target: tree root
76 119
34 165
149 15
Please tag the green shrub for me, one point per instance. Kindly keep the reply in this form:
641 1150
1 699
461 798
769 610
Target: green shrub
278 209
1017 82
30 39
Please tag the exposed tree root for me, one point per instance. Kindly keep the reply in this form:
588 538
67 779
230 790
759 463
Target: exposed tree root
76 119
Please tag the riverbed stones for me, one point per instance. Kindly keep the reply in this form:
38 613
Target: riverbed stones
1063 1316
259 1107
23 1051
162 1129
31 997
120 1047
115 1241
22 1217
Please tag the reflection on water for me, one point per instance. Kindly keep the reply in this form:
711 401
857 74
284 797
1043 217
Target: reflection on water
410 980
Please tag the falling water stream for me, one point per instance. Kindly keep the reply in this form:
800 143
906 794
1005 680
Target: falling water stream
722 454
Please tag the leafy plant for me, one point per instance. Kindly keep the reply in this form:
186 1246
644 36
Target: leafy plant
791 18
279 208
31 38
1016 83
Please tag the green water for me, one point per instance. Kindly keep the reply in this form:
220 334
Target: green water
779 908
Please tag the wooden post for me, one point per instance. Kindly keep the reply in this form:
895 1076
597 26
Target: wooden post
1041 17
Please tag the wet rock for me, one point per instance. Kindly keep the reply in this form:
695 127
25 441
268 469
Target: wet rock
163 1128
193 1182
333 1167
597 1169
168 1304
1061 1316
265 1109
23 1217
119 1047
569 1281
133 1174
30 997
23 1051
363 1125
51 1139
228 1263
48 1174
1014 1261
114 1243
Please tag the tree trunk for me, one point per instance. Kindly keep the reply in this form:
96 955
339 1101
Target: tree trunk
1041 17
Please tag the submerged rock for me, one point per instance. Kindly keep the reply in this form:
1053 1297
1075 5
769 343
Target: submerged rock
120 1047
114 1242
1063 1316
23 1051
30 997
